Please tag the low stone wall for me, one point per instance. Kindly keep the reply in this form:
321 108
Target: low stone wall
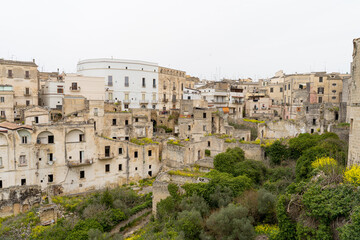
19 199
343 133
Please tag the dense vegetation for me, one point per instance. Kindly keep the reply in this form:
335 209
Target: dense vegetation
304 193
87 217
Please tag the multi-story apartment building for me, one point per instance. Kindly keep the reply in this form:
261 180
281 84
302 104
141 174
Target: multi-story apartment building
133 83
354 107
171 87
21 80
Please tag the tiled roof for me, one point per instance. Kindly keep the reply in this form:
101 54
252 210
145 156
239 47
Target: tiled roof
13 126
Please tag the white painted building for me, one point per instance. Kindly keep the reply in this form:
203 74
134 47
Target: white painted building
52 94
191 94
134 83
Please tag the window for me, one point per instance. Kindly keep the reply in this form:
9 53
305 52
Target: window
135 154
351 125
334 84
27 74
82 174
149 153
22 160
189 127
24 139
204 115
314 121
334 91
154 83
126 81
182 87
51 139
289 86
149 166
81 137
333 98
320 99
143 82
312 130
143 97
204 128
281 89
2 99
126 106
136 169
1 184
307 109
107 168
126 138
120 151
126 122
320 79
96 111
74 86
271 89
36 119
10 74
110 81
27 91
209 143
136 120
60 89
114 122
107 151
1 163
320 90
150 173
285 87
81 155
120 167
50 157
27 103
23 182
50 178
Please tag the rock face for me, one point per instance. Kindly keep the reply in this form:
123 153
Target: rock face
354 114
15 200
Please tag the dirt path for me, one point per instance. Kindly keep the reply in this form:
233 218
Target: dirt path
116 229
128 232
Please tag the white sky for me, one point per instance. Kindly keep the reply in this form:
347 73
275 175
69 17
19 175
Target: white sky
206 38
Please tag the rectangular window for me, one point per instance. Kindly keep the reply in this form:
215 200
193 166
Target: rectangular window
27 74
320 99
110 81
1 162
285 87
320 90
314 121
281 89
114 122
120 167
1 184
82 174
27 103
120 151
22 160
2 114
271 89
107 151
135 154
204 115
50 178
204 128
36 119
50 157
81 137
107 168
320 79
126 106
60 89
189 127
74 86
143 82
154 83
10 74
149 166
23 182
51 139
96 111
289 86
24 139
209 143
81 155
126 81
149 153
27 91
2 99
126 122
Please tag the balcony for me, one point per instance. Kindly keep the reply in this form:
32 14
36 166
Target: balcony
106 156
165 100
73 89
154 101
78 163
127 101
144 101
237 101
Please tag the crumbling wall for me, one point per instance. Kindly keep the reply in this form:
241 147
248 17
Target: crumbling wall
282 129
15 200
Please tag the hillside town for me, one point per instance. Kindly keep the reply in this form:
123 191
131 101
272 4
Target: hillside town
117 122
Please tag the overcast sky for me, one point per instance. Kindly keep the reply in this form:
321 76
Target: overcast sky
206 38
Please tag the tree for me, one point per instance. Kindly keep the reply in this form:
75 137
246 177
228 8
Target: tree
195 202
107 198
277 152
224 162
231 222
189 222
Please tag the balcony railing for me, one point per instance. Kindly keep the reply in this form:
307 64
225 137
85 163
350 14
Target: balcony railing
78 163
127 101
154 101
106 156
165 100
144 101
237 101
77 89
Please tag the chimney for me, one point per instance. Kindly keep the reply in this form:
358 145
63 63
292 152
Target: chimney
33 60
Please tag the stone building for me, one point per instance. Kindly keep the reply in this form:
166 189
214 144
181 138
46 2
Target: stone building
19 79
354 107
171 88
